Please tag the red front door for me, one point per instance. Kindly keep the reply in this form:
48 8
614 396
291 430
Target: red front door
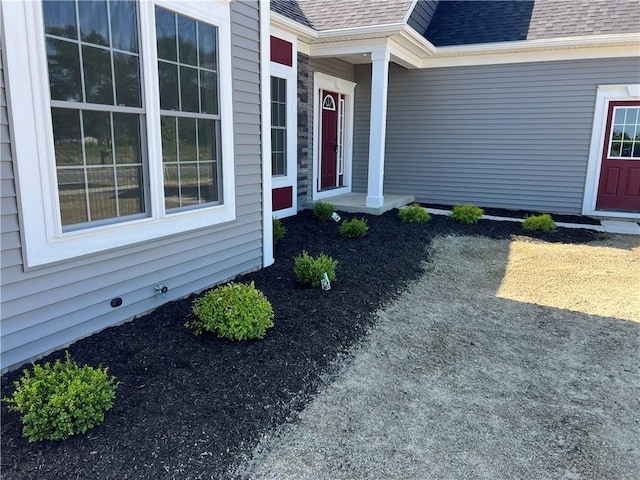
619 186
329 143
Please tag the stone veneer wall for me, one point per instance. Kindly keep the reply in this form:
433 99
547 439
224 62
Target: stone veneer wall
305 132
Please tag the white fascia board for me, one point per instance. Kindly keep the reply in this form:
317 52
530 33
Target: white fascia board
303 33
352 47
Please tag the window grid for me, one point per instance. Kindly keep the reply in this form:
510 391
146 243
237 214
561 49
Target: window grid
625 133
278 126
100 195
184 166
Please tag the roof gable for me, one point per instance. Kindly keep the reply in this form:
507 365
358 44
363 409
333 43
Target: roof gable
334 14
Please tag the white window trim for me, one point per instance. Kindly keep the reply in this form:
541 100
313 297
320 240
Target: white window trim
290 74
322 81
606 94
29 107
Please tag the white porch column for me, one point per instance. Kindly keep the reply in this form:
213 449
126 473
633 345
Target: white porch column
378 127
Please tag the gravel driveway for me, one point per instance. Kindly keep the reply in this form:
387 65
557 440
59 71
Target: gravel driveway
460 379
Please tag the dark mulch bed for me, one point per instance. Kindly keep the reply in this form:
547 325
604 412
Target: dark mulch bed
190 407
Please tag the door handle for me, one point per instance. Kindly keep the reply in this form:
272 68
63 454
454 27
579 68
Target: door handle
336 148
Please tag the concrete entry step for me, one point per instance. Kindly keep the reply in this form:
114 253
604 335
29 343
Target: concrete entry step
621 226
356 203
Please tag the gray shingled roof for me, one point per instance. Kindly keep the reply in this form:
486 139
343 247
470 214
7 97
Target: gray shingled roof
469 22
330 14
474 21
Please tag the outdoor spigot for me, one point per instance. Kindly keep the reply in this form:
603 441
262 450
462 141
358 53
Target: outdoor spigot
162 290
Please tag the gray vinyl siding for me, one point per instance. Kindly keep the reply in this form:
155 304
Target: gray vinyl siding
511 136
332 66
49 307
422 14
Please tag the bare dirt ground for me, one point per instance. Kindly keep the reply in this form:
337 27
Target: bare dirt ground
506 360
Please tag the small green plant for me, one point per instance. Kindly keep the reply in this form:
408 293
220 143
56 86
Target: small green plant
278 230
414 213
236 310
541 223
63 399
310 270
354 228
323 210
467 214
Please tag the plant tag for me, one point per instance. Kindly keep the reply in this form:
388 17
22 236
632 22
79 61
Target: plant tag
336 217
326 284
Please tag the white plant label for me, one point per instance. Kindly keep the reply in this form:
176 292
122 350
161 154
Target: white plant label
325 283
336 217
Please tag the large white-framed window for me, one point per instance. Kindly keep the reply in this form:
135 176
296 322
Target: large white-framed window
122 121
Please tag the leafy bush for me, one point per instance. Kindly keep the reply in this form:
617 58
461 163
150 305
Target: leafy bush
323 210
278 230
541 223
354 228
310 270
61 400
414 213
237 311
466 214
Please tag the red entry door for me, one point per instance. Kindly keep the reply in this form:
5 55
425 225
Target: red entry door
329 140
619 186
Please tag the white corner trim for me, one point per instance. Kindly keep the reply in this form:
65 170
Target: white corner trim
605 94
265 132
407 15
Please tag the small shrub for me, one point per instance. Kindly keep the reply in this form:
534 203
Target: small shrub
278 230
310 270
63 399
467 214
236 310
541 223
323 210
414 213
354 228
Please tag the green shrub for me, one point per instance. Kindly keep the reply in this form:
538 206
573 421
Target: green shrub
310 270
541 223
354 228
414 213
323 210
237 311
278 230
467 214
63 399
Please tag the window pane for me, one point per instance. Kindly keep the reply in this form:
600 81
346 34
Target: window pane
66 136
126 130
187 40
619 116
127 76
97 138
97 75
189 184
60 18
615 149
64 70
208 182
207 45
171 186
130 190
124 26
187 137
209 92
71 193
166 34
169 139
636 150
168 76
629 131
102 193
93 22
189 89
206 140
